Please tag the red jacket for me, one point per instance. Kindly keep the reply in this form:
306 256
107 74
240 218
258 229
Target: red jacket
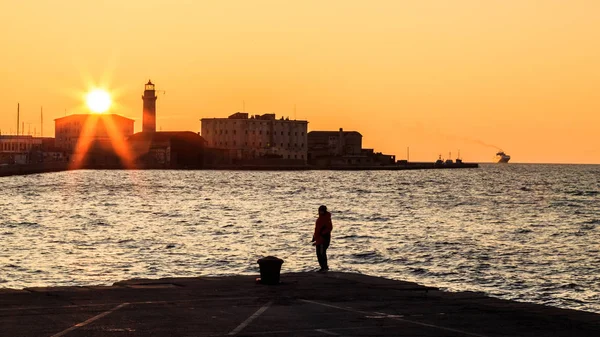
323 226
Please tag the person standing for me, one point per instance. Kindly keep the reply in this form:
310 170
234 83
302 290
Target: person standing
322 236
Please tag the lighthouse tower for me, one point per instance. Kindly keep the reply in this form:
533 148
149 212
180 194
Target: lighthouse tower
149 117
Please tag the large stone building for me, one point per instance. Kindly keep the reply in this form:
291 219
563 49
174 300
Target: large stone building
91 129
334 143
343 149
27 149
18 149
19 144
258 136
173 149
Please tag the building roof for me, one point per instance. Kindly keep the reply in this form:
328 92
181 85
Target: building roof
163 136
263 117
86 116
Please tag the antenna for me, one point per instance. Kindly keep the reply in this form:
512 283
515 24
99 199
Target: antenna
18 115
42 121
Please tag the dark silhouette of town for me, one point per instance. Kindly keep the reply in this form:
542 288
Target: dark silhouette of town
239 141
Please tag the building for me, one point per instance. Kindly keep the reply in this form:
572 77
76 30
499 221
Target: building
343 149
262 137
19 149
178 149
91 128
334 143
149 108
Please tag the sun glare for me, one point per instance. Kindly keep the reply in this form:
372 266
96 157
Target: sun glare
98 100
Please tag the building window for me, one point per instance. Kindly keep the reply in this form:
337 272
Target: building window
234 132
282 133
225 131
260 144
246 131
295 156
302 133
296 133
260 132
234 143
267 132
289 133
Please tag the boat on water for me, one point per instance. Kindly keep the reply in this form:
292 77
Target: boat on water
502 157
449 163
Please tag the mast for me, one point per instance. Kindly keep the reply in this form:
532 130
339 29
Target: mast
42 121
18 115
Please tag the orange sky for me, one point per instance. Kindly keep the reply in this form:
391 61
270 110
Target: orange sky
437 76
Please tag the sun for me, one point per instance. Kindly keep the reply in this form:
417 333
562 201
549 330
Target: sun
98 100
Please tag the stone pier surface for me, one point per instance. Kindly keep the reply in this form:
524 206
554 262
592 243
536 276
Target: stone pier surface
304 304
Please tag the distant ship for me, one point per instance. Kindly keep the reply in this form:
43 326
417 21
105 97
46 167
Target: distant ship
502 157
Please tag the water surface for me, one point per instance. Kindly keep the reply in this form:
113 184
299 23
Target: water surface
524 232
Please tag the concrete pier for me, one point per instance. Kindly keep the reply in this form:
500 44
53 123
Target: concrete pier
304 304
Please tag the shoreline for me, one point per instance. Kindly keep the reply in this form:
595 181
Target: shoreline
20 170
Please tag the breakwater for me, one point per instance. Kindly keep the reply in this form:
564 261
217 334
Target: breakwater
13 170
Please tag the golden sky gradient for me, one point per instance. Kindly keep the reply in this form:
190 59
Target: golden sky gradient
437 75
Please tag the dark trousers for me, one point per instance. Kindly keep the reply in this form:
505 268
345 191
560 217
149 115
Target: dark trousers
322 251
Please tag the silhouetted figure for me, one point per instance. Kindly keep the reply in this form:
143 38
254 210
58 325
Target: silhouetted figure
322 236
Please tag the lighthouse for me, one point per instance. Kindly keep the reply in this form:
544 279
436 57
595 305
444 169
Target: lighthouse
149 117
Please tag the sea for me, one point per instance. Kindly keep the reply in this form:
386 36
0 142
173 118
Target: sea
524 232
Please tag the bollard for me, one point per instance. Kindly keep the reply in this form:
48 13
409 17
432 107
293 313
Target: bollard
270 269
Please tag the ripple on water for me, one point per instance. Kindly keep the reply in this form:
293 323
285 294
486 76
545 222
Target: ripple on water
526 232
